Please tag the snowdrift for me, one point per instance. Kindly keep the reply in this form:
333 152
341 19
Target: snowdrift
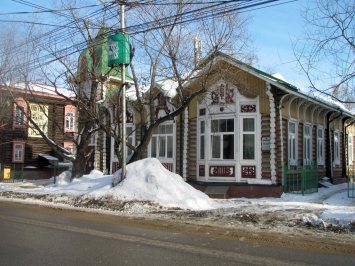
148 180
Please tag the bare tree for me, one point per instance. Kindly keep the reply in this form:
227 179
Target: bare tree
326 51
162 46
167 52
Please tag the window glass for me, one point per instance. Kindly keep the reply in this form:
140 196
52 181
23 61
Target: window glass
169 129
215 126
216 146
248 146
228 146
162 146
248 124
18 152
292 128
202 127
69 121
69 149
19 116
162 129
202 147
169 147
230 125
154 148
320 133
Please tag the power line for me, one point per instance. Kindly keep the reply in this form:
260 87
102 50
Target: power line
219 8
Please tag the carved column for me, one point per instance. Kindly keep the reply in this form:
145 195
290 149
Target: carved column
272 132
186 127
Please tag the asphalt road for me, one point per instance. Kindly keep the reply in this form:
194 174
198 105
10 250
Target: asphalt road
32 238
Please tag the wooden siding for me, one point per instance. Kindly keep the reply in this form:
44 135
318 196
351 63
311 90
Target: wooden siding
35 145
192 149
265 155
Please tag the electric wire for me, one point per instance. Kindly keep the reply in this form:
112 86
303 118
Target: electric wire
220 8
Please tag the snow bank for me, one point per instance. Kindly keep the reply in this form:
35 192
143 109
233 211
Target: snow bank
148 180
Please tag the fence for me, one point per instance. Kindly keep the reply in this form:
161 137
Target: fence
301 179
11 173
351 181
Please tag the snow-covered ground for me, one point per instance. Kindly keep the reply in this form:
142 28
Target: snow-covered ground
151 189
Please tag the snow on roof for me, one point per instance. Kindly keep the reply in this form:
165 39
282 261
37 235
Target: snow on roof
279 76
39 87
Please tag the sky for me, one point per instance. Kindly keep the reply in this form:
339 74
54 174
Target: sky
274 28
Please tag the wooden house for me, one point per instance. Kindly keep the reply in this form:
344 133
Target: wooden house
21 145
243 134
246 131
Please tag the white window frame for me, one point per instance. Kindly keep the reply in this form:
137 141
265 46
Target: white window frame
69 121
221 134
201 137
156 135
242 133
292 136
307 143
131 137
351 149
19 116
18 152
336 152
320 146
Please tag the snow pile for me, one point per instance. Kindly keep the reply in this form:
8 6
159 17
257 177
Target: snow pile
148 180
63 178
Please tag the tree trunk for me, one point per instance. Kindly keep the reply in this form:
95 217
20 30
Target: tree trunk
78 167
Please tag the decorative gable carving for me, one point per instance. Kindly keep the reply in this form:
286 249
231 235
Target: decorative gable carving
161 105
222 94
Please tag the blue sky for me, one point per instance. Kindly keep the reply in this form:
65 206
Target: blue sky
273 29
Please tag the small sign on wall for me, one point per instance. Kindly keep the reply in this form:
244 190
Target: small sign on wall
265 143
7 173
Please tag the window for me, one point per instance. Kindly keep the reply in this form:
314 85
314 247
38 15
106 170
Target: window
129 131
92 139
18 151
336 148
248 138
222 139
292 143
69 146
19 116
162 142
129 138
307 144
19 113
202 139
69 121
351 149
320 145
69 118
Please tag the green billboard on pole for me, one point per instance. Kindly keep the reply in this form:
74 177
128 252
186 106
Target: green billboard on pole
118 50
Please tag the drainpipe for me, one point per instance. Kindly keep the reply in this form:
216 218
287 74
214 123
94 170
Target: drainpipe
329 155
180 169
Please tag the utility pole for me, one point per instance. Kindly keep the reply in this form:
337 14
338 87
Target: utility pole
123 77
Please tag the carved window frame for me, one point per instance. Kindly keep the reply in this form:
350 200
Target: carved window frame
292 142
350 149
336 145
320 146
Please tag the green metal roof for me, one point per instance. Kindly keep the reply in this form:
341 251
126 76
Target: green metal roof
101 58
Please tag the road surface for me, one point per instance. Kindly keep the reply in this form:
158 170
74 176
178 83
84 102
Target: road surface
33 238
